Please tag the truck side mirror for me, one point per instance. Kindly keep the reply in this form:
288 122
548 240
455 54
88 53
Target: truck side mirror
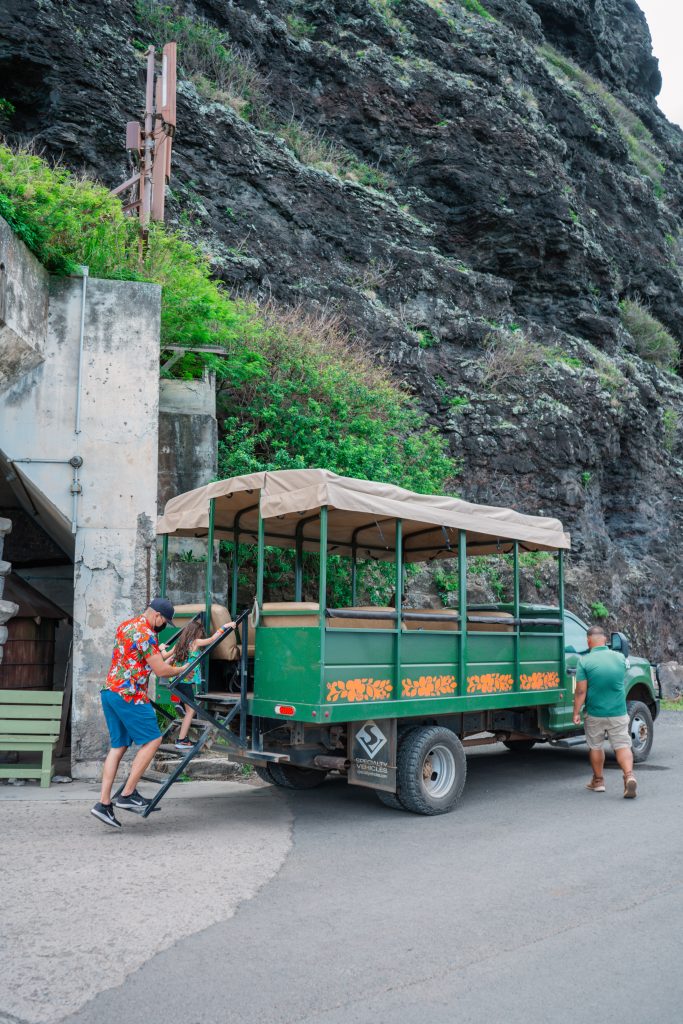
619 643
570 649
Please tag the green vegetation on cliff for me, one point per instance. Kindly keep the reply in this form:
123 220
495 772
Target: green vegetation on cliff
294 389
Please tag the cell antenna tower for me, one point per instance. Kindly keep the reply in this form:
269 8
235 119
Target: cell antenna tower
150 141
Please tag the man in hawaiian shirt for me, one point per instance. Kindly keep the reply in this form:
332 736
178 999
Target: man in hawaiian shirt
129 715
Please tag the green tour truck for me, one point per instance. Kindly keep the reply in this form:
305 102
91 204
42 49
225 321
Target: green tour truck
389 696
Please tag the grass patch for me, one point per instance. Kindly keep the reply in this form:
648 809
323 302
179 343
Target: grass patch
220 71
458 403
641 146
315 150
672 705
670 424
475 7
652 340
387 10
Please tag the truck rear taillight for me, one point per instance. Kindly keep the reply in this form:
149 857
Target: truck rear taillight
284 709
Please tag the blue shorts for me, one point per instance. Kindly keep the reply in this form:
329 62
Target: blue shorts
127 722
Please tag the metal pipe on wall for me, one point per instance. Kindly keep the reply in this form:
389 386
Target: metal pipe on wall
85 272
77 461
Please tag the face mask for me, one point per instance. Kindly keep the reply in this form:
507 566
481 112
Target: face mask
159 629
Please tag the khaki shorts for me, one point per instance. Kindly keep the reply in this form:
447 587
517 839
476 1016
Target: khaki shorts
616 729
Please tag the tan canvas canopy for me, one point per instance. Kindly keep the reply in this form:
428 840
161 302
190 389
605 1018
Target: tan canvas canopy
362 515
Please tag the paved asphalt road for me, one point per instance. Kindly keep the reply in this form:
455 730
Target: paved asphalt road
535 901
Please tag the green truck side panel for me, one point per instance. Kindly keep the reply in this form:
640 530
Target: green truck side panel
358 679
287 665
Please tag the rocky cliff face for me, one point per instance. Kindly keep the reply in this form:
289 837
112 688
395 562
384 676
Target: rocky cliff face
526 184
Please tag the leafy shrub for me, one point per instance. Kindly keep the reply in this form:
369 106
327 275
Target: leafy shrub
299 27
295 389
323 403
68 221
641 145
220 71
426 339
599 611
653 341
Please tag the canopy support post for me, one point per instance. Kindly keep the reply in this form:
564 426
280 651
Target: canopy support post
260 568
209 568
462 608
322 593
164 565
515 609
298 560
354 576
209 584
560 581
235 575
398 602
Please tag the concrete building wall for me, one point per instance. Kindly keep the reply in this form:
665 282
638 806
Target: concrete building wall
188 435
115 567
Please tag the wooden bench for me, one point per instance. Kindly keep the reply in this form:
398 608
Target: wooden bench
29 720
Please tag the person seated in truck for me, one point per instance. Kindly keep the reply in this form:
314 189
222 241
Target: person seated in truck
187 649
600 678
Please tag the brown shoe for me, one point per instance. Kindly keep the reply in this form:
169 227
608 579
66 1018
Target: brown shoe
630 787
596 784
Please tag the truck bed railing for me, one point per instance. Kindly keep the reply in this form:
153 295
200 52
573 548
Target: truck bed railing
415 616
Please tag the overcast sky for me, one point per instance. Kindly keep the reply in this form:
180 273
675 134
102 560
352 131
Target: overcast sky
665 18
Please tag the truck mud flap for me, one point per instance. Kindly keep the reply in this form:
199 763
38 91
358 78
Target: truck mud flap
372 754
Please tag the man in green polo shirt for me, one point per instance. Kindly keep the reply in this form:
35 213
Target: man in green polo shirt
600 676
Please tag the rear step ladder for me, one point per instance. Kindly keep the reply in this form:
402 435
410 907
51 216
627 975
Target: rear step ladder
211 720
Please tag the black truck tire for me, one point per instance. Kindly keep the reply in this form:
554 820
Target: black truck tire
431 770
641 728
290 776
519 746
263 772
390 800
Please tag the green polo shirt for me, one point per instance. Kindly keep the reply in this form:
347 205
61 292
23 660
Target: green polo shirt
605 671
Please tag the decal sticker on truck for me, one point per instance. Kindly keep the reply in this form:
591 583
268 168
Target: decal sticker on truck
358 690
539 681
428 686
490 682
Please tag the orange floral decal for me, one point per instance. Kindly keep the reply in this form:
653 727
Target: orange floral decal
540 681
359 689
491 682
428 686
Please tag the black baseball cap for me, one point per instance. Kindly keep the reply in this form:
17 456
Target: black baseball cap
164 607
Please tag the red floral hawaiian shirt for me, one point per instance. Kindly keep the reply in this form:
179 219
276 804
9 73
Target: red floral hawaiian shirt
129 672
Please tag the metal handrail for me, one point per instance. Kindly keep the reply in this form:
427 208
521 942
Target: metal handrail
200 711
